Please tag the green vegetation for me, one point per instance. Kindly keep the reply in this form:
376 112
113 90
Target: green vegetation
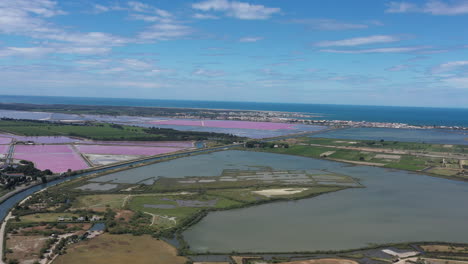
392 145
114 110
45 217
22 173
104 131
162 210
112 201
435 159
194 204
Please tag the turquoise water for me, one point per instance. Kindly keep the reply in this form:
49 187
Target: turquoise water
410 115
437 136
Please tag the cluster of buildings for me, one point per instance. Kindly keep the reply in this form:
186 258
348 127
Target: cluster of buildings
255 116
94 218
348 123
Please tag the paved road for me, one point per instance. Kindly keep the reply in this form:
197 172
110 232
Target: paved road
9 156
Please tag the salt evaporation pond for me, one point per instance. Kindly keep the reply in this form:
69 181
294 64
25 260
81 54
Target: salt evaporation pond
435 136
57 158
396 206
125 150
39 140
5 140
238 128
4 149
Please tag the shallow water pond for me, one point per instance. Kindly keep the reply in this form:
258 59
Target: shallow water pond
396 206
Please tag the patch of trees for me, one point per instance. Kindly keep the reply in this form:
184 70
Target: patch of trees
176 135
261 144
26 172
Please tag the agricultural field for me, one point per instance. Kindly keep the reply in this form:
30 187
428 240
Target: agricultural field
27 130
437 159
441 248
121 249
388 145
322 261
26 248
100 202
45 217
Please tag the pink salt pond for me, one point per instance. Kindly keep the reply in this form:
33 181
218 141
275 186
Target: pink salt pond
4 149
5 140
57 158
43 149
125 150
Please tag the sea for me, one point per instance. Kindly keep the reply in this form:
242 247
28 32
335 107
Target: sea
393 114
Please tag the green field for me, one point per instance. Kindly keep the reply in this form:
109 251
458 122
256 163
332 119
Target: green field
112 201
373 152
137 203
104 131
45 217
395 145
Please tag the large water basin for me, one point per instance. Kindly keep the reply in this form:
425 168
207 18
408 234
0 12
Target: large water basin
395 206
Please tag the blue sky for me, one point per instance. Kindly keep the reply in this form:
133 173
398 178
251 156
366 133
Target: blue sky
367 52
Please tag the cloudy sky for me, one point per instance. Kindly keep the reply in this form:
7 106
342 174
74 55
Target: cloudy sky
368 52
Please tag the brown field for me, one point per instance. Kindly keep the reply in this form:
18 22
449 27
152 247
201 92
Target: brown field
322 261
125 214
241 259
443 261
84 227
121 249
25 248
211 263
444 248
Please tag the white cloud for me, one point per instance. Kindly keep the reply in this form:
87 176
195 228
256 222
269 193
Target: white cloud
433 7
457 82
250 39
377 50
401 7
240 10
358 41
450 66
29 18
145 8
208 73
40 51
396 68
165 31
151 18
329 24
204 16
86 39
101 8
23 17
